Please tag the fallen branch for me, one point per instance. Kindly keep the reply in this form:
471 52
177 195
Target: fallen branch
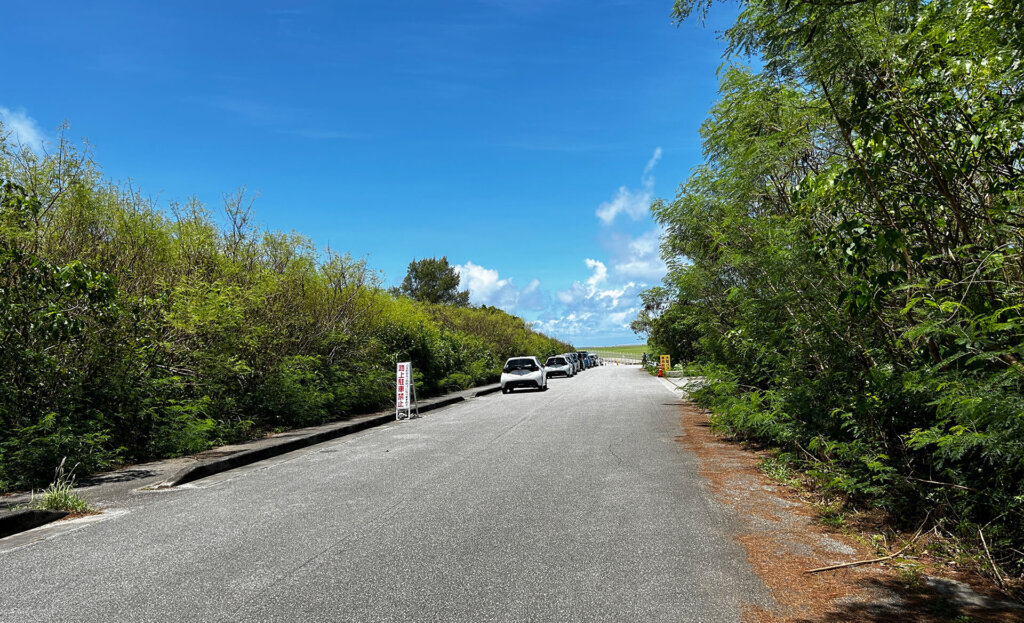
942 484
995 569
809 455
858 563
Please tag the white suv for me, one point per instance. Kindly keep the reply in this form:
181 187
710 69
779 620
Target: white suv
523 372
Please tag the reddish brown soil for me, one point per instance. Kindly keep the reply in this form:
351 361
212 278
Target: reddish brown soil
783 539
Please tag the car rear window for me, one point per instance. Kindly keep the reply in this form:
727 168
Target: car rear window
519 364
556 361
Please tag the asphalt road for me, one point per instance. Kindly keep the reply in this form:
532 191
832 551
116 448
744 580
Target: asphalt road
575 504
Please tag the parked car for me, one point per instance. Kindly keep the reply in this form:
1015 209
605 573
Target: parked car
571 358
559 365
523 372
584 359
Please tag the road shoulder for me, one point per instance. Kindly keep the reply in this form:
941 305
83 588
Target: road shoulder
783 541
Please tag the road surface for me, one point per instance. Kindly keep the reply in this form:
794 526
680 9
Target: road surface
574 504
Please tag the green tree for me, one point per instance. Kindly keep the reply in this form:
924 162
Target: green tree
433 280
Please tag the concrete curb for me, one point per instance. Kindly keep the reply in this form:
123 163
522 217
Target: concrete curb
247 457
22 520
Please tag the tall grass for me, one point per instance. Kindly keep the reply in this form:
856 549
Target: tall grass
60 495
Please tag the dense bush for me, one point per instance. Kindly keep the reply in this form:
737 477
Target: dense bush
848 259
128 333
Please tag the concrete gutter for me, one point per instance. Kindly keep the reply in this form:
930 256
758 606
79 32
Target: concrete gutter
22 520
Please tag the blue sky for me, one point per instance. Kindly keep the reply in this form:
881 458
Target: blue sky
522 139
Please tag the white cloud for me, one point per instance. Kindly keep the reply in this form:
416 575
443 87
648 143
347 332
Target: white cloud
638 258
486 287
600 273
622 318
591 309
22 129
481 282
649 167
591 321
626 201
587 289
634 203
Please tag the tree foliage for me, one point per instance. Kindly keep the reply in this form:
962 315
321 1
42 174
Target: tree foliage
434 281
848 258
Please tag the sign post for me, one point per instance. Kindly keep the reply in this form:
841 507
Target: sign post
664 365
405 392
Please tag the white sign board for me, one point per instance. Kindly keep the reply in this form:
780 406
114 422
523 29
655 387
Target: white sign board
402 385
405 391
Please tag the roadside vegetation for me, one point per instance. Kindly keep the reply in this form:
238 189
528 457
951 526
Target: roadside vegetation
60 495
848 261
130 332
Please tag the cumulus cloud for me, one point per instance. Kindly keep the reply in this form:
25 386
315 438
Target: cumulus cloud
633 203
589 327
638 257
486 287
22 129
600 273
587 289
481 282
591 309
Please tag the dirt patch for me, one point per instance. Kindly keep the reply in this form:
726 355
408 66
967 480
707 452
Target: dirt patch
80 514
783 539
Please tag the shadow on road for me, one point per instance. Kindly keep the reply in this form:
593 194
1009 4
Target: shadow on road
914 602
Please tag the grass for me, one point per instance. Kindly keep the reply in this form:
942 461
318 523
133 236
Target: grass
911 574
629 351
779 470
60 495
831 513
